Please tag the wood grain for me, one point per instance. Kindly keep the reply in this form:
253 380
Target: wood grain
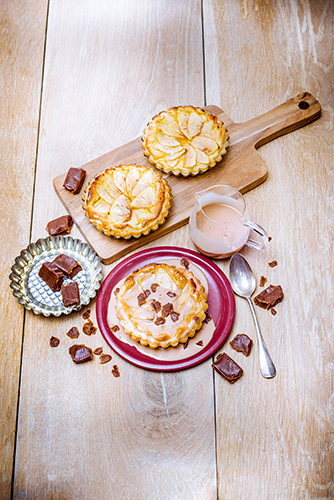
21 57
275 437
241 167
83 433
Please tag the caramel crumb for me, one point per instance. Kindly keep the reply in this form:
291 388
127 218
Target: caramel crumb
156 305
115 371
185 345
116 291
167 309
263 281
159 321
154 287
89 328
86 314
174 316
73 333
141 299
273 311
273 263
114 328
200 343
54 342
98 351
185 263
196 318
105 358
207 317
171 294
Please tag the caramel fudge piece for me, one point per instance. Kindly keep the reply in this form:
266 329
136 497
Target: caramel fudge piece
242 343
67 264
74 179
70 294
51 275
269 297
62 225
80 353
54 341
228 368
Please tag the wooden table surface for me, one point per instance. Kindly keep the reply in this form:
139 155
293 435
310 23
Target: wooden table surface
81 78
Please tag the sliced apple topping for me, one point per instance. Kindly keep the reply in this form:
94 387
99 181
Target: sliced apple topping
185 140
128 200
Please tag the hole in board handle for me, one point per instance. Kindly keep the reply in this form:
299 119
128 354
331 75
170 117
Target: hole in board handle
303 105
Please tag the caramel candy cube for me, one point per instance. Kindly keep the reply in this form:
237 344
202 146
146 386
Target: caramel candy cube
67 264
74 179
70 294
269 297
242 343
51 275
80 353
228 368
62 225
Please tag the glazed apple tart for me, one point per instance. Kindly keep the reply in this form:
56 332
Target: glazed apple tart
185 140
161 305
127 200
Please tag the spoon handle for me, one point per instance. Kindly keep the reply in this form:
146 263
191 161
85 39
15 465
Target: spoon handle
267 367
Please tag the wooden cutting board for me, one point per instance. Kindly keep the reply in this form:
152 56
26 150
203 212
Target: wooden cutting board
242 167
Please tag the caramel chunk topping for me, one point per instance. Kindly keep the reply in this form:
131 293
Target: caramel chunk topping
160 321
167 309
86 314
141 299
174 316
156 305
98 351
114 328
67 264
154 287
185 263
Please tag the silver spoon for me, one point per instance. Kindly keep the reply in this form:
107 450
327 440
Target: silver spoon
243 283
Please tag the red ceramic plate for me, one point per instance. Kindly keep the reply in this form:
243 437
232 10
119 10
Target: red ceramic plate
220 300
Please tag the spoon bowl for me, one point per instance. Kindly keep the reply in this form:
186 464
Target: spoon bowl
243 284
241 276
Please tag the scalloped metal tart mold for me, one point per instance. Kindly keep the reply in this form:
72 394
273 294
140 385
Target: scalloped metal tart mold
34 294
185 140
127 200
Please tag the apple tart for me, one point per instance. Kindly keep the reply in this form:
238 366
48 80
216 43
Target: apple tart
185 140
161 305
127 200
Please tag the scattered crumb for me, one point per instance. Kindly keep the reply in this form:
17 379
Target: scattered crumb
105 358
263 281
115 371
98 351
273 263
73 333
54 342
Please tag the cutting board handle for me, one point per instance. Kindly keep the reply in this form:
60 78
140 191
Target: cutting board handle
291 115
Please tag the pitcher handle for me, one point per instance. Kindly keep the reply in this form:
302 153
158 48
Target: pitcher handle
259 230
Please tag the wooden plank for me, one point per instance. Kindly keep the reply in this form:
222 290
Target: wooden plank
83 433
242 167
21 59
275 437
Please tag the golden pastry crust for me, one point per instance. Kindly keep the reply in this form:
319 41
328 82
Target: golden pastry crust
127 200
185 140
160 305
